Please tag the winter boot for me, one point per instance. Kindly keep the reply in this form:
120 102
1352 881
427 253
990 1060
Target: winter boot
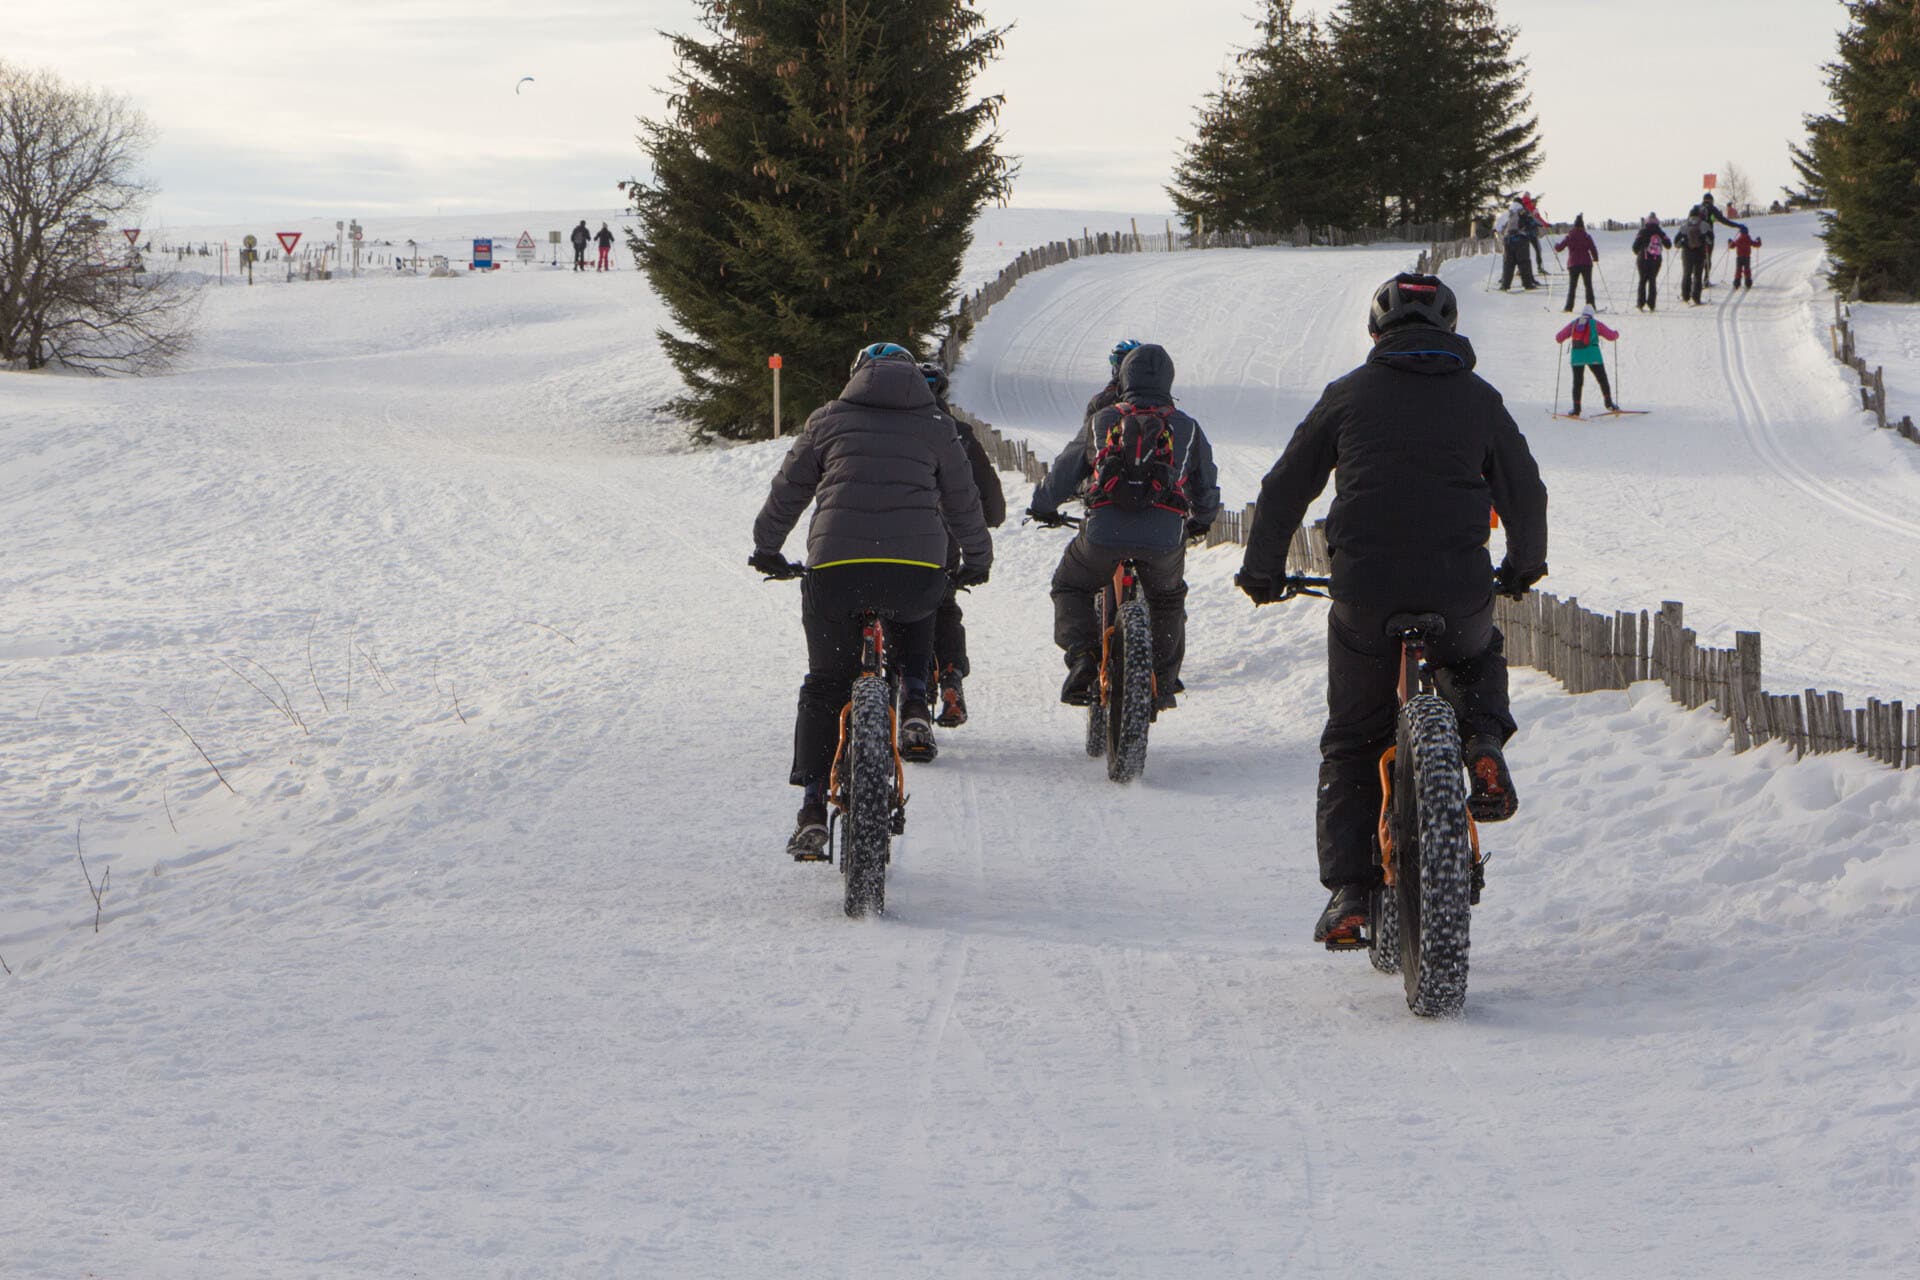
916 731
1493 798
1083 670
1348 920
808 843
953 700
1165 687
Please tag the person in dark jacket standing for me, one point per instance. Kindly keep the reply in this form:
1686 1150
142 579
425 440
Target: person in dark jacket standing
1695 243
888 479
603 238
580 238
1155 537
1650 245
1710 214
1424 449
1520 232
950 665
1581 253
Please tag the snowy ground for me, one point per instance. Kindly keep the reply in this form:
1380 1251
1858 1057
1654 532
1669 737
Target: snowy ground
1888 336
492 966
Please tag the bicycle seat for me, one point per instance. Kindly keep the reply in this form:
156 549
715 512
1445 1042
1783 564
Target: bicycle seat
1430 626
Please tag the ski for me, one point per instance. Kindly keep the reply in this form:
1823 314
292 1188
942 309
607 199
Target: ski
1604 413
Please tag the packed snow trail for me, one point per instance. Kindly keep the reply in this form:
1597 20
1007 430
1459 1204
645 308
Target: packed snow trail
497 969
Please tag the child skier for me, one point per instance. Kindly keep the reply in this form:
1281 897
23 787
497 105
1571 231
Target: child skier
1586 332
1743 246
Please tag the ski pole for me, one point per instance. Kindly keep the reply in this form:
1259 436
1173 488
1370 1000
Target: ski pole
1605 286
1619 376
1556 379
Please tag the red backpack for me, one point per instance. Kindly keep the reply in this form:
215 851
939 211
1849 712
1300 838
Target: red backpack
1135 468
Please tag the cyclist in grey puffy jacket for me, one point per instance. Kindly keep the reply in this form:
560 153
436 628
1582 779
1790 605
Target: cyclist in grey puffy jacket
888 478
1156 538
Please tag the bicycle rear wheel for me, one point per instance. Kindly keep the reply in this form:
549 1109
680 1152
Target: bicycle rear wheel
870 782
1433 857
1130 693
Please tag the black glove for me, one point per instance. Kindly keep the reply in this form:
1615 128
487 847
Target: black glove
1260 588
970 575
1051 519
1515 583
1197 532
774 565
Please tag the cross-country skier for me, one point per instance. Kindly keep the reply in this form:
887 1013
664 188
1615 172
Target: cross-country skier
887 479
1743 246
580 237
1516 230
1695 243
1650 244
1581 253
1532 206
603 238
1710 213
1423 448
1585 334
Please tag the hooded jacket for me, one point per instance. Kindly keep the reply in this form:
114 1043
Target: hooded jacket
887 475
1421 447
603 237
1146 380
581 235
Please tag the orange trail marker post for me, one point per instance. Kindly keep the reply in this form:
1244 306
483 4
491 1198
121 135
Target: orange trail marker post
773 363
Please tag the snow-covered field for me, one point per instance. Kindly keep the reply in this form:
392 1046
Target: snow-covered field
485 959
1888 336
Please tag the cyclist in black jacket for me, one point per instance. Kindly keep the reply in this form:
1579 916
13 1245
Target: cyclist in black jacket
951 666
1424 450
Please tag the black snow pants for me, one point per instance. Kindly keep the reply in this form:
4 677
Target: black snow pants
1649 296
1363 670
1517 259
1743 271
1574 276
1693 274
831 602
1085 569
1599 372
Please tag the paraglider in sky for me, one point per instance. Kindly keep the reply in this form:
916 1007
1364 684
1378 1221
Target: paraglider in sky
522 80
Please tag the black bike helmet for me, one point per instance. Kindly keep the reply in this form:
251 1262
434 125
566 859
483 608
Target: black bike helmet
1412 299
936 378
879 351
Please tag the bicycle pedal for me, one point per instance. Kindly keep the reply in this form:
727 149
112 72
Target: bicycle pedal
822 856
1357 942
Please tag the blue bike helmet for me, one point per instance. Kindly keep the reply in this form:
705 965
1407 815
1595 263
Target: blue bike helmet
879 351
936 378
1120 349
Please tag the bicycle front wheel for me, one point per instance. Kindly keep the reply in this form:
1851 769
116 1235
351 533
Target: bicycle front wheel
1433 857
870 783
1130 693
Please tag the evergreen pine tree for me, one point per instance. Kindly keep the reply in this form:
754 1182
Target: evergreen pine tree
1864 154
1270 151
814 186
1440 122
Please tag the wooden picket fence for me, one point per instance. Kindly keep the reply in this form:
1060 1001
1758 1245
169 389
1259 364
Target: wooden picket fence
1873 386
1585 650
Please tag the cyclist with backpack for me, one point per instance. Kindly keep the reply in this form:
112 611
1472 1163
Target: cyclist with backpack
950 665
1650 244
1149 483
1423 448
891 490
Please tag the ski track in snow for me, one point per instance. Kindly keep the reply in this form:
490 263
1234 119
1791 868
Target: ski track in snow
497 970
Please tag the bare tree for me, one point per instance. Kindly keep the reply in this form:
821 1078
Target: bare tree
70 295
1736 187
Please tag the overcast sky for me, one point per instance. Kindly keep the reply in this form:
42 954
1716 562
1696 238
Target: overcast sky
280 108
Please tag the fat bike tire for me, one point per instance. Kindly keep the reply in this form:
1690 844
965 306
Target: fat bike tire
1131 688
1096 728
1384 955
870 782
1433 858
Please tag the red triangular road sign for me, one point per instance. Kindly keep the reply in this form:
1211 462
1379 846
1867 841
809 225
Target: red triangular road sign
132 234
287 239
